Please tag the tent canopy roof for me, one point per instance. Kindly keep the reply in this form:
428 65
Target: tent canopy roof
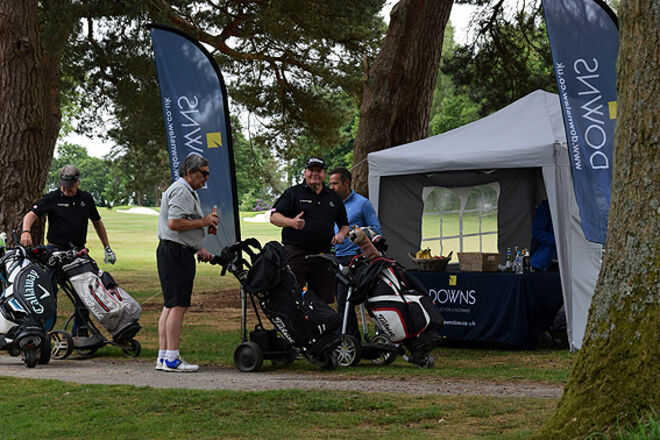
517 136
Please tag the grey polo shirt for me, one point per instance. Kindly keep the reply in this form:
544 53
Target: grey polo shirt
181 201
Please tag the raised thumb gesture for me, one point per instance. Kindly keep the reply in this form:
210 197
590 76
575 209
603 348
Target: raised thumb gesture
298 221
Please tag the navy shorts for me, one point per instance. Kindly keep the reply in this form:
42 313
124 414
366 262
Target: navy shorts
176 270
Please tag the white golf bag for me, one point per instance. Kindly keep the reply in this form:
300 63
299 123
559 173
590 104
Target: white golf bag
108 303
402 314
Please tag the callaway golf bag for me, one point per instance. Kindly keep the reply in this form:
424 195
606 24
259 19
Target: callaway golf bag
27 305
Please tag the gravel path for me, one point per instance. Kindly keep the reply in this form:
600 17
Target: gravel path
139 373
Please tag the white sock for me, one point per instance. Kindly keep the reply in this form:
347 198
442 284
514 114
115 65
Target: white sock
161 354
171 355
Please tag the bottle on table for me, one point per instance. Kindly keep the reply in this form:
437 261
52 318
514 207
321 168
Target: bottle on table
509 261
518 264
213 229
526 266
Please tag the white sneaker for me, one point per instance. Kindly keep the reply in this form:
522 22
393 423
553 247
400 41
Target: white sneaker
179 365
159 363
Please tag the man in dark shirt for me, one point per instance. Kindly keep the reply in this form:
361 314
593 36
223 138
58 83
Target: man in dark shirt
307 214
68 210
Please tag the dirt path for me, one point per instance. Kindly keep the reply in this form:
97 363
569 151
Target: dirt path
90 371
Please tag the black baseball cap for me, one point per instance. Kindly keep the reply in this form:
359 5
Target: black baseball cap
69 175
315 161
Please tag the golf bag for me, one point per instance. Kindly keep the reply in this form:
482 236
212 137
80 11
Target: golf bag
398 303
28 306
301 317
105 300
403 312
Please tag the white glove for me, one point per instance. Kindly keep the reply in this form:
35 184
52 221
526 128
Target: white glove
110 256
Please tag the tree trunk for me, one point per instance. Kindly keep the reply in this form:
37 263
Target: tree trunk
21 112
398 91
29 109
616 375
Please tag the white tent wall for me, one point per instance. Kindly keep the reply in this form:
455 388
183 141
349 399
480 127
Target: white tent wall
579 259
513 142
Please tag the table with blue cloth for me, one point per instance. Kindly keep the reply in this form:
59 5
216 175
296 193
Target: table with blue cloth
501 307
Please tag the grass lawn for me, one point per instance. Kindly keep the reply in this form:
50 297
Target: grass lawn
212 331
41 409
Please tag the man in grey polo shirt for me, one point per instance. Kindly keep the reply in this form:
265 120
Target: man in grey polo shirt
181 230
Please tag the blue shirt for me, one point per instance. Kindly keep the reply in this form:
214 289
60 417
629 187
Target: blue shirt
543 238
360 213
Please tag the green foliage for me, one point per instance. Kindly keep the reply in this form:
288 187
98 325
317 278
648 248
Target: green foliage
248 201
452 107
646 428
455 111
290 64
93 170
339 156
342 155
509 58
258 174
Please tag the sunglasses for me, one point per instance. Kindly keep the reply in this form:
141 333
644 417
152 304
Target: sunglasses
204 173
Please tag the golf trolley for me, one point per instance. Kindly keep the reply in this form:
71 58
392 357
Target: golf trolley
303 325
28 307
406 319
79 332
378 347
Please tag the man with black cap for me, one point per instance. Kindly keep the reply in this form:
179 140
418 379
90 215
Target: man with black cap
307 214
68 210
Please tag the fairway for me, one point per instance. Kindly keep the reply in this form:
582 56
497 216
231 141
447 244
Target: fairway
473 223
134 238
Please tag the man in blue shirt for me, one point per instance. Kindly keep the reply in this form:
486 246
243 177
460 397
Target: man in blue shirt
544 250
360 213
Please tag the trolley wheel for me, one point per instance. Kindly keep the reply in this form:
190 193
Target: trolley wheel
44 352
348 351
330 362
61 344
86 351
30 358
283 360
425 361
134 348
248 357
385 357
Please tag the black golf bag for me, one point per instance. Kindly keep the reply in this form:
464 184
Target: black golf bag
302 318
28 306
303 323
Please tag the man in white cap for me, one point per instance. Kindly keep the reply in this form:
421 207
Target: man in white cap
68 209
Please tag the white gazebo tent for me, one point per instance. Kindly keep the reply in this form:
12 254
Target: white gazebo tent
523 148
